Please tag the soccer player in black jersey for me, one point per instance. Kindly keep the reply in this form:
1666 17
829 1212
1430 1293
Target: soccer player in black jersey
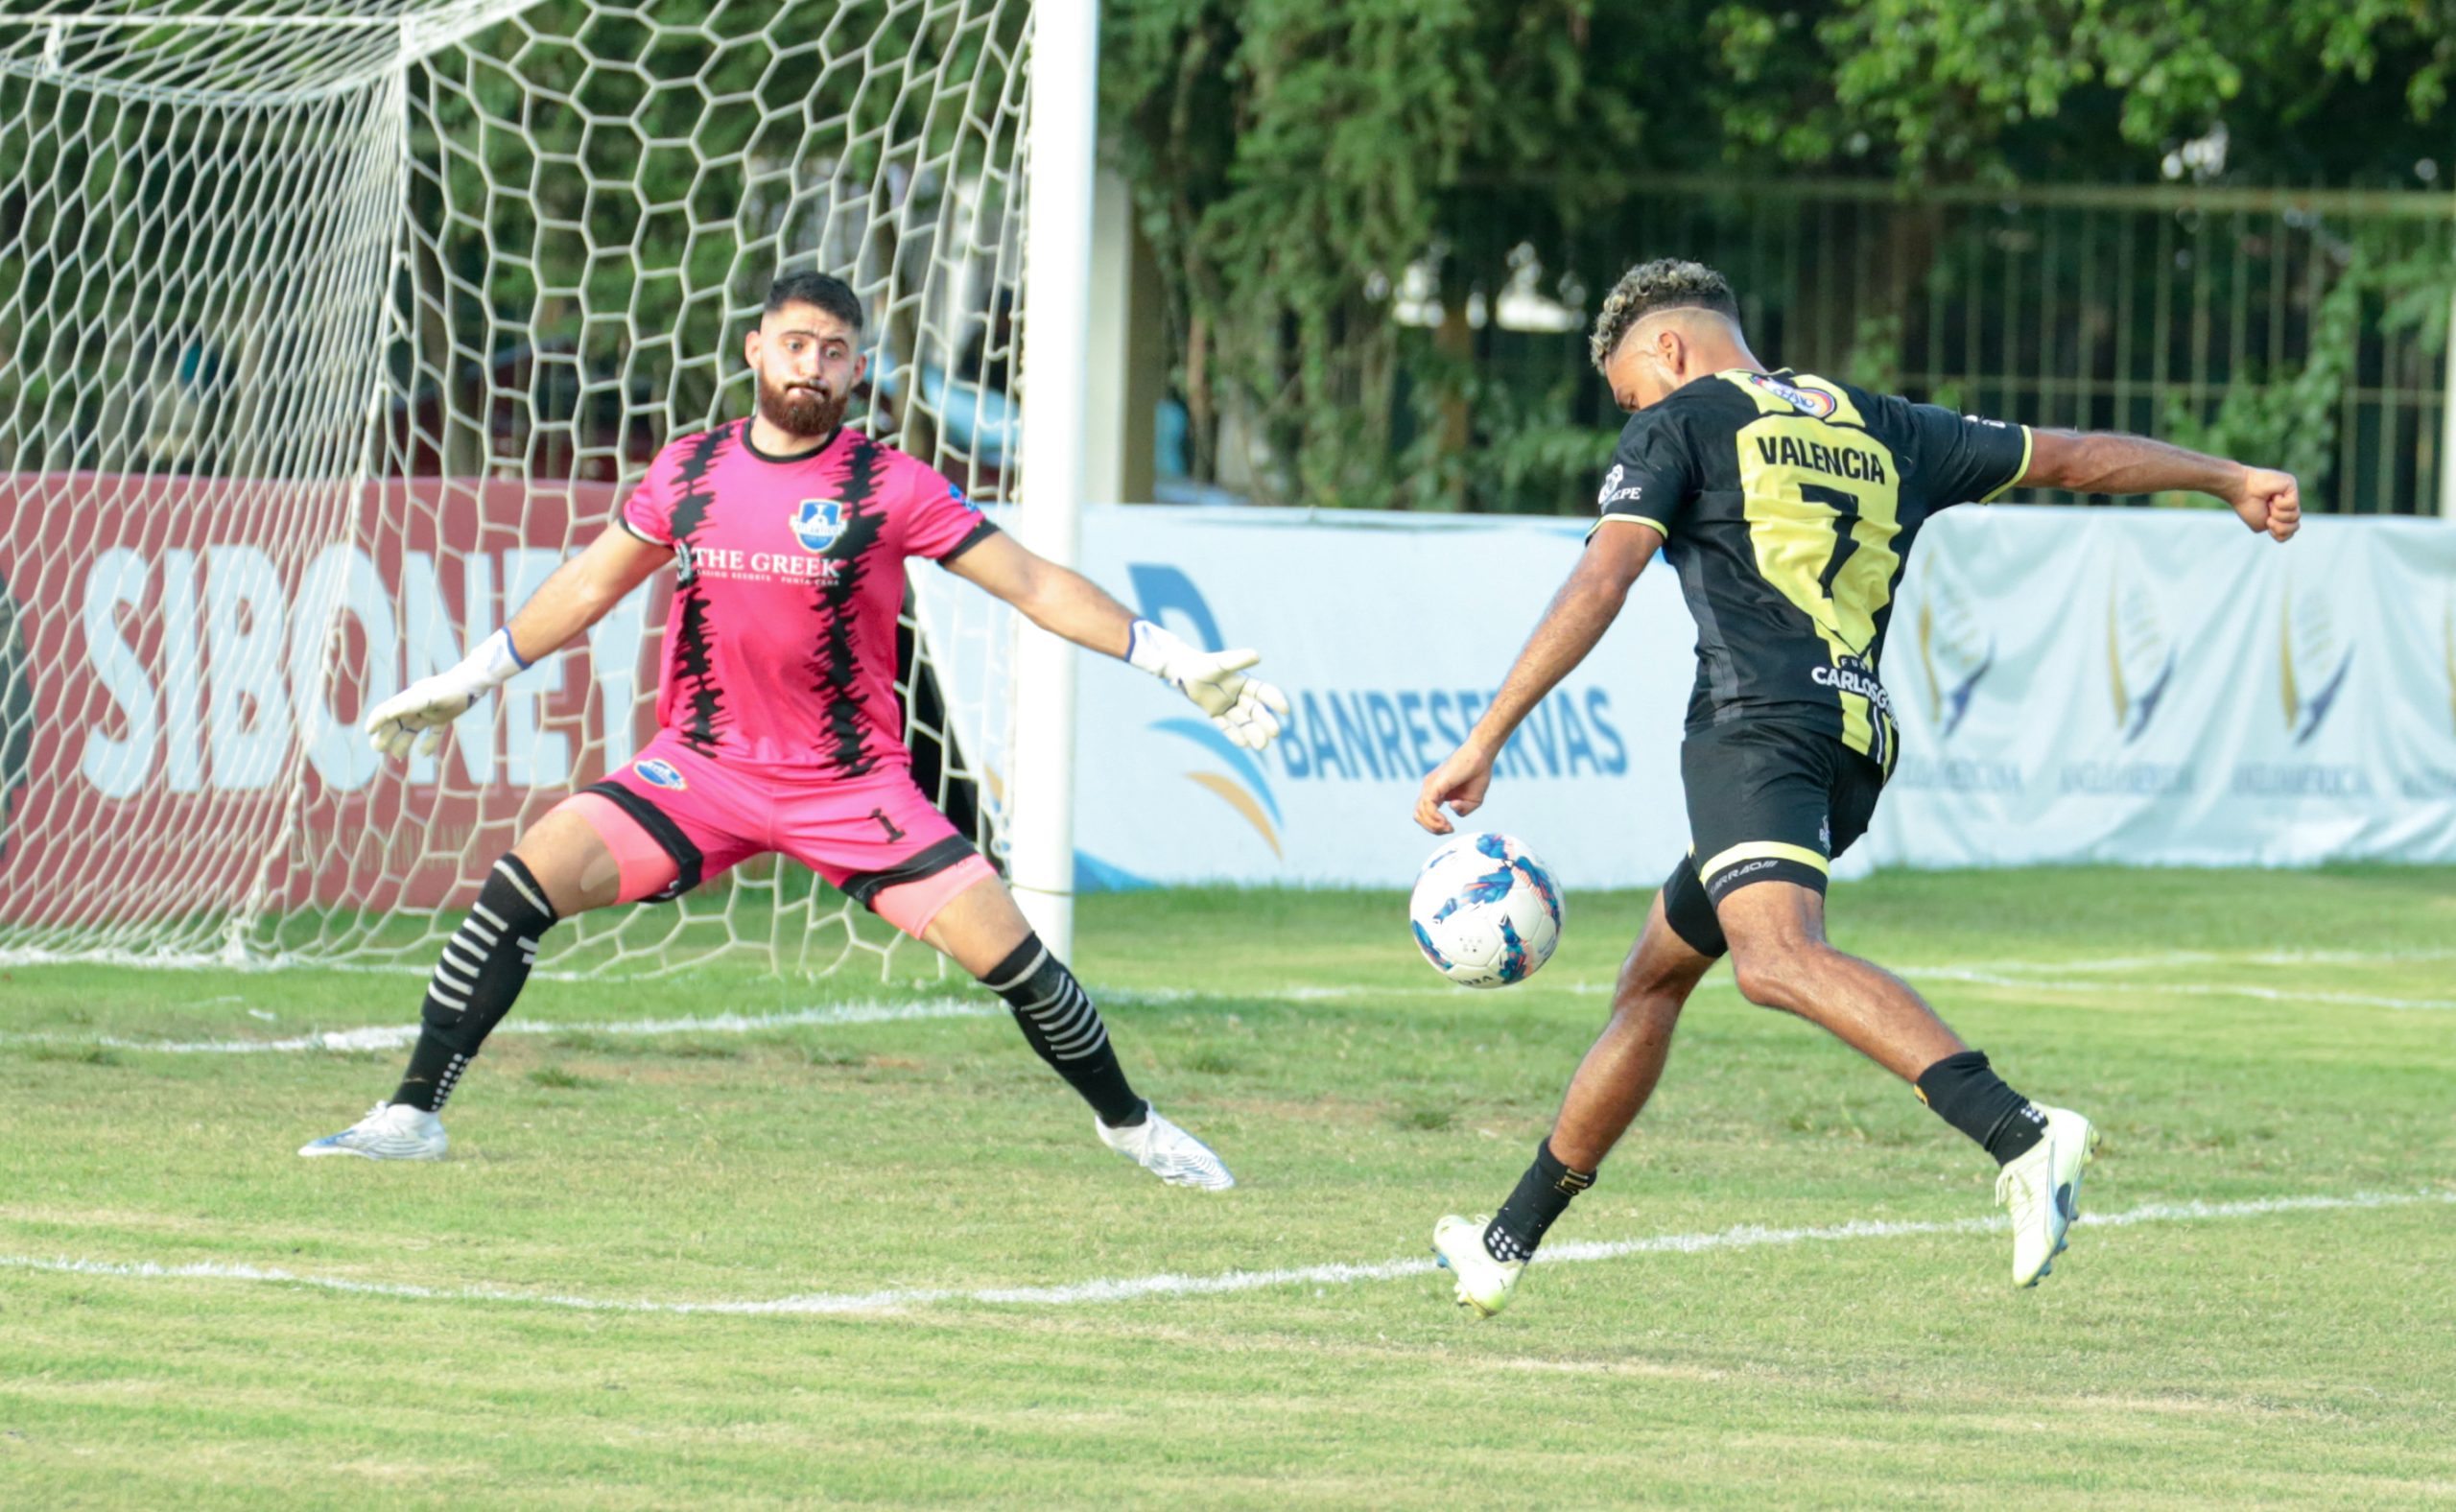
1788 503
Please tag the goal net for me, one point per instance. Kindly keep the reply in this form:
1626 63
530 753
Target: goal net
328 329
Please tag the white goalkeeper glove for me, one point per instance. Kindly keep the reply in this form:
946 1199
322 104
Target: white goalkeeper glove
431 703
1247 708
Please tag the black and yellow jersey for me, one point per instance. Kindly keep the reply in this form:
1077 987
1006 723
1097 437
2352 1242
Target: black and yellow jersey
1788 503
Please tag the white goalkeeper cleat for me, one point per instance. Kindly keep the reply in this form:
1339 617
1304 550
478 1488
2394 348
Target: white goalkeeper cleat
389 1131
2043 1191
1168 1152
1484 1284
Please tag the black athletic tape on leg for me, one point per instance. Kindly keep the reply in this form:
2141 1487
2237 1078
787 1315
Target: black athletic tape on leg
1763 869
482 969
1966 1092
1064 1029
1542 1195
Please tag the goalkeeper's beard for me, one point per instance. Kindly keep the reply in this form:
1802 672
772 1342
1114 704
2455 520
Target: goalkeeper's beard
809 414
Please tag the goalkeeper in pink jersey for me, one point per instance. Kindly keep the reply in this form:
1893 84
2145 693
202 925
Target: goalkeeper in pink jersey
778 724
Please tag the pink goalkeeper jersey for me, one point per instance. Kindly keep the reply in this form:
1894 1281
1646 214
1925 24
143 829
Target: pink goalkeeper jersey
780 646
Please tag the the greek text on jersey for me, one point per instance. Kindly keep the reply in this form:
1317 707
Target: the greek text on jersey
738 565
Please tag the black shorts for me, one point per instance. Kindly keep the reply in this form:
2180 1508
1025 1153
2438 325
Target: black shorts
1766 803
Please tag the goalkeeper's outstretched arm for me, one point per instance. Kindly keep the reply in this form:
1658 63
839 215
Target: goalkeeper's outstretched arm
2106 462
1067 603
578 595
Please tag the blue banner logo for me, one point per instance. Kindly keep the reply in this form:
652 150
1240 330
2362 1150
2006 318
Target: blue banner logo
1158 590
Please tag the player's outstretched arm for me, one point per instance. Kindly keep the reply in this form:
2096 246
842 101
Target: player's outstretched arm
1066 602
2108 461
578 594
1584 608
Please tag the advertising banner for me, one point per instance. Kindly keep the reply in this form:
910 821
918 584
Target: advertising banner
190 724
1389 635
2146 687
2157 688
2074 685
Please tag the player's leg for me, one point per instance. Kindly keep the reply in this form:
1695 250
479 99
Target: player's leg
1782 959
1769 898
1679 944
609 845
889 848
1619 1071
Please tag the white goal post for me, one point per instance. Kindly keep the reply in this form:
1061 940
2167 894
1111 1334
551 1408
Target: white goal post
328 328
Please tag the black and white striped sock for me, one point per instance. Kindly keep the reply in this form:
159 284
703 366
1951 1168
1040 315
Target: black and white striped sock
483 966
1057 1017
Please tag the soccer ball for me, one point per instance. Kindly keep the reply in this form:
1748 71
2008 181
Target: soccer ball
1486 911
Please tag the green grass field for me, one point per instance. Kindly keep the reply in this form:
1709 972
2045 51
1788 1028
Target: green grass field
2267 1047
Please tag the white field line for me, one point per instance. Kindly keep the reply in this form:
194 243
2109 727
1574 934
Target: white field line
12 958
189 961
1168 1285
2178 989
2015 973
2214 958
2000 977
397 1036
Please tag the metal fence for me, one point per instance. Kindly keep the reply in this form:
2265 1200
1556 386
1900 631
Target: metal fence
2303 328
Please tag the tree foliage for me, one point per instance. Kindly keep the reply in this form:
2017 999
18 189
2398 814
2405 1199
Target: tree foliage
1289 159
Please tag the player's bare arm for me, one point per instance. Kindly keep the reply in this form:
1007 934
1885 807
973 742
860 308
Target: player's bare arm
1057 598
1583 609
1067 603
2106 462
576 596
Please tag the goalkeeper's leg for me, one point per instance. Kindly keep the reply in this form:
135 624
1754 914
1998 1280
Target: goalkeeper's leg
982 930
883 842
563 865
559 868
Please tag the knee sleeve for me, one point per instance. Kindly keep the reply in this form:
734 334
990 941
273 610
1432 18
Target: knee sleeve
1064 1029
1055 1013
486 961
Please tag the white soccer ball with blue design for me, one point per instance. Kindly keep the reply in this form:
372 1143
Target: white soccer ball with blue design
1487 911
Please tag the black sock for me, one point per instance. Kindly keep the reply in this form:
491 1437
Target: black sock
1057 1017
1542 1195
1974 1100
435 1068
485 965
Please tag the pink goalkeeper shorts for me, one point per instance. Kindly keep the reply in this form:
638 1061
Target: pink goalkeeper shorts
675 818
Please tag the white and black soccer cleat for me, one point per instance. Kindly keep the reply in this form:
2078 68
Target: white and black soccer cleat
1168 1152
2042 1189
1483 1284
389 1131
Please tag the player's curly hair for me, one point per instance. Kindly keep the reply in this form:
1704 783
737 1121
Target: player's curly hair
1665 284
